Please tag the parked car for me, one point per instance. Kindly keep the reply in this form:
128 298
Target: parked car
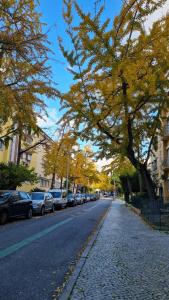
71 201
14 204
42 202
59 197
93 197
84 198
97 195
87 197
79 198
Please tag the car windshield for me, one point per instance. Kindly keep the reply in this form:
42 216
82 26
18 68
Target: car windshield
4 196
37 196
56 194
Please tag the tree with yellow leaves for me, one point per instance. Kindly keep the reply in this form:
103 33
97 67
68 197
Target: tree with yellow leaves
25 76
57 158
120 80
83 169
103 183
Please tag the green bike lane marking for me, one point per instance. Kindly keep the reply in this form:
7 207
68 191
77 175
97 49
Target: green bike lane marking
15 247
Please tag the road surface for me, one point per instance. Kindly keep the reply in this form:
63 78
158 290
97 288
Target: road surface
36 254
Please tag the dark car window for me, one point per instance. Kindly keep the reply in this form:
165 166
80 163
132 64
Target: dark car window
56 194
37 196
24 196
5 196
14 197
9 195
70 196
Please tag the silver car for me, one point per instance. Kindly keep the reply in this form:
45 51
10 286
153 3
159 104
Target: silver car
42 202
79 198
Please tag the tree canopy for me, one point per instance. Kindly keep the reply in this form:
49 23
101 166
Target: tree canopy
25 76
56 157
120 79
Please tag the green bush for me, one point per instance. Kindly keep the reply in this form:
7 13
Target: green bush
13 176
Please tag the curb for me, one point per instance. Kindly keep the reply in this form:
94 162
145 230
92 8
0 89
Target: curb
73 278
135 210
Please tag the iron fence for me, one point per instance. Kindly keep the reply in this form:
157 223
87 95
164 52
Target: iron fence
155 212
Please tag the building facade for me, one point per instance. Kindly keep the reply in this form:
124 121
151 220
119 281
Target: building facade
159 162
32 158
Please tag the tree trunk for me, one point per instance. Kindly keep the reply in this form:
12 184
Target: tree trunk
74 186
53 180
140 182
145 175
125 188
129 185
140 167
61 183
149 184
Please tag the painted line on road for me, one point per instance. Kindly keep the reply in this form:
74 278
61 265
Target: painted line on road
11 249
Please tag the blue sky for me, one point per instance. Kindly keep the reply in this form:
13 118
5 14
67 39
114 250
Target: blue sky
52 15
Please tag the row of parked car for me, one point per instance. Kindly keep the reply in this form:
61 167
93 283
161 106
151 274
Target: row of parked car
18 203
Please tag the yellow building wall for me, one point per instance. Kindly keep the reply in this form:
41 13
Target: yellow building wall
5 154
36 162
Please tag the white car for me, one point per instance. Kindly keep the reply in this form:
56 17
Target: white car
59 197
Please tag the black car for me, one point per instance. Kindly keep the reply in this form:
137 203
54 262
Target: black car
71 201
14 204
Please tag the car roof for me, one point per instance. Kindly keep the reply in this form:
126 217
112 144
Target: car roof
57 190
41 193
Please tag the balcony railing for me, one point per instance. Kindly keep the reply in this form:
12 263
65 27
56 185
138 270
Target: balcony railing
165 164
166 132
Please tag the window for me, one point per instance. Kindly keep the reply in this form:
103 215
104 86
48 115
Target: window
44 182
37 196
56 194
15 197
24 196
1 145
26 158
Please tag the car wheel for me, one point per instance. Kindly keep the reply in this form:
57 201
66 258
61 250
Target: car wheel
3 217
52 209
29 214
42 212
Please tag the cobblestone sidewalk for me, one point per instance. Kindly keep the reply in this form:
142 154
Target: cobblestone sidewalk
129 260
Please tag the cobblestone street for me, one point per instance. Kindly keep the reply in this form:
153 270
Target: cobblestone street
129 260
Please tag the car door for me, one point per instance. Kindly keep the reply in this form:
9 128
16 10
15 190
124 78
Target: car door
14 205
23 203
64 198
50 200
47 201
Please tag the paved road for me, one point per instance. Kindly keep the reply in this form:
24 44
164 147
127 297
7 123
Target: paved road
36 254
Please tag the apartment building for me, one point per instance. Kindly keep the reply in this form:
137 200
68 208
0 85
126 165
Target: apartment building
33 157
159 163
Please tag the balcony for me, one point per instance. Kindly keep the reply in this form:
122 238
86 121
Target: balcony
165 164
166 132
